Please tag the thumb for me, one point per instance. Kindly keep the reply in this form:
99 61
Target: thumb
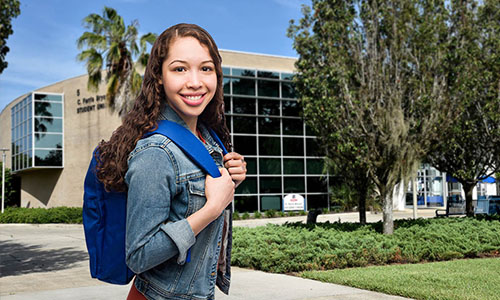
223 171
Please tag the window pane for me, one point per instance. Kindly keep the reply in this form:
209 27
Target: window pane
316 185
286 76
48 125
291 108
48 109
226 71
48 140
314 166
267 74
270 202
293 147
243 72
288 90
313 148
43 97
293 126
251 165
245 203
243 87
243 105
48 158
226 83
317 201
270 184
227 105
269 88
244 124
246 145
293 166
269 107
248 186
294 185
310 131
269 126
269 145
270 165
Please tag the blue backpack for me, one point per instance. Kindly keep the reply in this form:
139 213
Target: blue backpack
104 213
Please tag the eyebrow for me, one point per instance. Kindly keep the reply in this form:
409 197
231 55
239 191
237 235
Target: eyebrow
185 62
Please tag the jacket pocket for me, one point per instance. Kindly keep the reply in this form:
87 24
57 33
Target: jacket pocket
197 199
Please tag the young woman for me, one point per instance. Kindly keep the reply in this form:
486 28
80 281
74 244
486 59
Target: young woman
178 228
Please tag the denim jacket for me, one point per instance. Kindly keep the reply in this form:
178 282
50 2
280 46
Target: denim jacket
164 188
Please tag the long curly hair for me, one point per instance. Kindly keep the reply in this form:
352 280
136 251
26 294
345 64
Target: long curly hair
112 155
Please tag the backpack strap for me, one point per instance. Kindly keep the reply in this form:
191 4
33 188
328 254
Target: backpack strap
217 139
189 144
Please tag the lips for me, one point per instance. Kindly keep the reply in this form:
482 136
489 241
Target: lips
193 100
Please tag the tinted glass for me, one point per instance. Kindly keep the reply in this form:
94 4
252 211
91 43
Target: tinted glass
243 72
246 145
314 166
227 105
293 147
293 127
245 203
244 124
270 165
317 201
316 185
291 108
270 184
269 126
312 148
293 166
248 186
226 82
48 158
270 202
43 97
269 145
269 107
243 105
48 140
288 90
267 74
226 71
310 131
251 165
286 76
48 109
269 88
243 87
294 185
48 125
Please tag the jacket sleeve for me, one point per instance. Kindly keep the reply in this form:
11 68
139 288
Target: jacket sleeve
150 238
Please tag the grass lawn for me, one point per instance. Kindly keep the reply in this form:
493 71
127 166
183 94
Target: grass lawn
454 280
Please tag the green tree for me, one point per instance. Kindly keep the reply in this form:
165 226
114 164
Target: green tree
470 149
12 187
9 9
368 78
113 45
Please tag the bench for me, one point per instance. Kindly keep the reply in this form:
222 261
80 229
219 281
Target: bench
454 206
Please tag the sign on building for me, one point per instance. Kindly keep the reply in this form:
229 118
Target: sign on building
294 202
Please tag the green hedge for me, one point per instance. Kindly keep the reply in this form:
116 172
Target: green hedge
297 247
69 215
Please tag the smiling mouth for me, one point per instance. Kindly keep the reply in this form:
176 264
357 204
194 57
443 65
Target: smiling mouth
193 100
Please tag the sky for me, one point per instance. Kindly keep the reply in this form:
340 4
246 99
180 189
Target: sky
43 46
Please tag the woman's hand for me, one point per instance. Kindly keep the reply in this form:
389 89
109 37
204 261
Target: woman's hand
237 167
219 191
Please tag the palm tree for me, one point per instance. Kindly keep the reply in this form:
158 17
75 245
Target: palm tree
109 42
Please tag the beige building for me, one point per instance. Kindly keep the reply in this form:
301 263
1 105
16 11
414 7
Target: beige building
52 131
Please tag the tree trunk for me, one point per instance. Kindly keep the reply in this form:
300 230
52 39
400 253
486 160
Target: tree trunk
387 211
363 189
469 210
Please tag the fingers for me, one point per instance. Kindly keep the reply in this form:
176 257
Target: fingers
233 156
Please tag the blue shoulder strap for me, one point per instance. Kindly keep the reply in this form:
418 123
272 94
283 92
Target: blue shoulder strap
190 145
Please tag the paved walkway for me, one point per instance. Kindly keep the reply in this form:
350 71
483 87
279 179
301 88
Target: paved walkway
50 262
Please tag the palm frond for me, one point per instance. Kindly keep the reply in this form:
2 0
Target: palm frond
111 90
94 81
93 40
148 38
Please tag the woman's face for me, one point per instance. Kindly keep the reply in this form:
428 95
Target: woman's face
188 78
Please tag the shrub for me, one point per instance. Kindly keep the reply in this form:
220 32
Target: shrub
281 213
291 214
70 215
236 216
257 214
245 216
270 213
302 213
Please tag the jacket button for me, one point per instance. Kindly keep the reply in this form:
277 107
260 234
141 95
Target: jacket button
218 244
213 274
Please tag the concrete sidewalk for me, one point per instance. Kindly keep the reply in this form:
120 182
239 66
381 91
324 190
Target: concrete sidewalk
50 262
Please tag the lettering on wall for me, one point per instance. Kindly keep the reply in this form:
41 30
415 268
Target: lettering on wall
90 104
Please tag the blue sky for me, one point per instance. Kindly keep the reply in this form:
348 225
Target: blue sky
43 47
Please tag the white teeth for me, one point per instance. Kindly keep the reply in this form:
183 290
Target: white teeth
194 98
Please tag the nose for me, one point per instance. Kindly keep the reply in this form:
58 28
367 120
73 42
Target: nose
194 81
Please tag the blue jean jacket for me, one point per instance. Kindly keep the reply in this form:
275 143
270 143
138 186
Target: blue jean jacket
164 188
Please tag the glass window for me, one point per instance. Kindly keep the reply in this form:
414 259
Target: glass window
243 105
270 184
245 203
251 165
317 201
314 166
270 202
270 165
269 88
227 105
269 145
248 186
267 74
243 72
243 87
48 109
226 83
288 90
48 125
310 131
269 126
226 71
291 108
293 127
294 185
316 185
269 107
43 97
286 76
48 158
48 140
245 145
244 124
293 147
313 148
293 166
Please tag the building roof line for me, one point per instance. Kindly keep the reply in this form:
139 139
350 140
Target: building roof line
261 54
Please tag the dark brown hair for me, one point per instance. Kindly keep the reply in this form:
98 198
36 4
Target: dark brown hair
113 154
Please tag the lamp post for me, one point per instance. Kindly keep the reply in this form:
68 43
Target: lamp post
3 176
